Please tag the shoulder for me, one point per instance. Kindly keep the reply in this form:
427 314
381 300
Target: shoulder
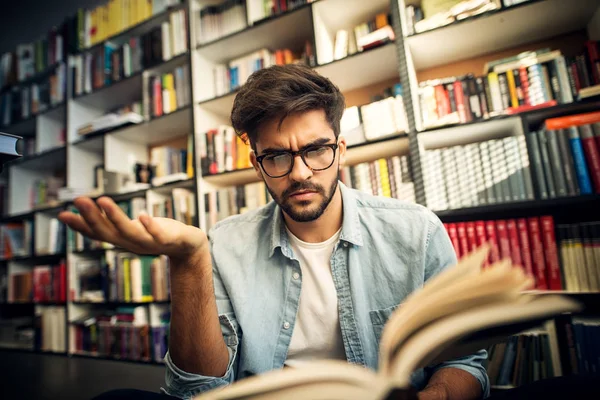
394 211
243 225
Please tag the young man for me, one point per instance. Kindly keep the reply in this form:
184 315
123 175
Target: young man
313 274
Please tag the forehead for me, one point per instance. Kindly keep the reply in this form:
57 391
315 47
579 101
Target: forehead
296 131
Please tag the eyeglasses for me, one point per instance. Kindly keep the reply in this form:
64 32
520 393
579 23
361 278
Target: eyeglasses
280 163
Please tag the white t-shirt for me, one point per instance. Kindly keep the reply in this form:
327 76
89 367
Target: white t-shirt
317 333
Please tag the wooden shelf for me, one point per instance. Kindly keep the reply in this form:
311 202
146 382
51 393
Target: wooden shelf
285 30
53 156
40 259
526 23
139 29
521 208
159 129
363 68
119 303
111 358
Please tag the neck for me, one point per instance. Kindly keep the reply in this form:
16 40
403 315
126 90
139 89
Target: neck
323 227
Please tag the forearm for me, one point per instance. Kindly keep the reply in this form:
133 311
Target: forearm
451 383
196 342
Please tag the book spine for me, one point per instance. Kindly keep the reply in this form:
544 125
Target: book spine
591 154
568 166
525 246
471 235
534 150
503 239
547 167
513 238
538 253
453 234
490 230
462 237
556 163
583 176
551 253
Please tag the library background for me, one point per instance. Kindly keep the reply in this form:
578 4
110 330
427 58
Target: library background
485 111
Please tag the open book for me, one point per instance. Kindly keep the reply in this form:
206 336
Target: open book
461 310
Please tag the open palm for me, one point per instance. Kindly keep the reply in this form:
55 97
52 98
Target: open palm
104 220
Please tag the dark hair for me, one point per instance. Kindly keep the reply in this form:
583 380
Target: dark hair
282 90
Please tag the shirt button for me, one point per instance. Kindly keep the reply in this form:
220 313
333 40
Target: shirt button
296 275
286 325
345 244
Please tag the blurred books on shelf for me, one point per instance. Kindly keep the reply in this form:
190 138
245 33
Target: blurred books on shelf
566 155
216 21
119 117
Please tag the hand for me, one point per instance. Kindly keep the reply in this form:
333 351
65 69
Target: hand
105 221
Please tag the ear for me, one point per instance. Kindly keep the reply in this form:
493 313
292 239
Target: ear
342 149
255 164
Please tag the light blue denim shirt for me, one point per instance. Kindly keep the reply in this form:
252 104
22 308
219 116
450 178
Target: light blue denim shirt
387 249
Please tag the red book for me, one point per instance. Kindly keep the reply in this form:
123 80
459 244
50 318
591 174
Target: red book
490 229
592 50
462 237
592 156
460 101
551 253
471 236
503 239
515 247
525 246
480 237
525 84
537 247
63 282
453 234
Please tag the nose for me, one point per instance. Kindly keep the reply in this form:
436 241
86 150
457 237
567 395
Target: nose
300 171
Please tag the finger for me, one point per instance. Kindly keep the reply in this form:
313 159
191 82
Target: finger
97 222
128 229
77 223
153 229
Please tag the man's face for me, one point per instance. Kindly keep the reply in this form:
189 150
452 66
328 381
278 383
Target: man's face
303 194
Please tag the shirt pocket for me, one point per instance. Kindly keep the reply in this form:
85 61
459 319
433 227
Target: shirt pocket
379 319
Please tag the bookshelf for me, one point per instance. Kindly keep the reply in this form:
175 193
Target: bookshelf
203 105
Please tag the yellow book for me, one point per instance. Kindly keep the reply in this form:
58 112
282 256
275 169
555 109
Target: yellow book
385 177
93 26
189 168
149 8
126 279
512 87
169 85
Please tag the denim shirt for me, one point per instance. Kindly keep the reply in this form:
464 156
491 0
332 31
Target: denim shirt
387 249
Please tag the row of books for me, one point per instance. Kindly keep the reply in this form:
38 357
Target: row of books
384 177
124 333
18 331
220 20
380 118
50 329
476 174
579 247
520 360
180 205
531 79
363 36
16 239
565 155
31 59
50 283
258 10
232 75
92 26
22 102
42 284
171 162
528 242
168 92
222 150
430 15
222 203
121 276
581 355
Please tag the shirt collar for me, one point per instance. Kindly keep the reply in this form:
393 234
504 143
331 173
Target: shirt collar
350 224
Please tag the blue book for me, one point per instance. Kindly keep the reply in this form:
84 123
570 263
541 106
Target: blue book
508 362
581 168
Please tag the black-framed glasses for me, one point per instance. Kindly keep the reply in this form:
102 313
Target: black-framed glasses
317 158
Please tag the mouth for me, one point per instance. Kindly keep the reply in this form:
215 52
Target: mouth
303 195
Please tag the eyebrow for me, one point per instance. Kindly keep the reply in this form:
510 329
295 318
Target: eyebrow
315 142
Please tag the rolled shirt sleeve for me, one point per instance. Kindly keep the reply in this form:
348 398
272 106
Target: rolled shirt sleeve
440 255
185 385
